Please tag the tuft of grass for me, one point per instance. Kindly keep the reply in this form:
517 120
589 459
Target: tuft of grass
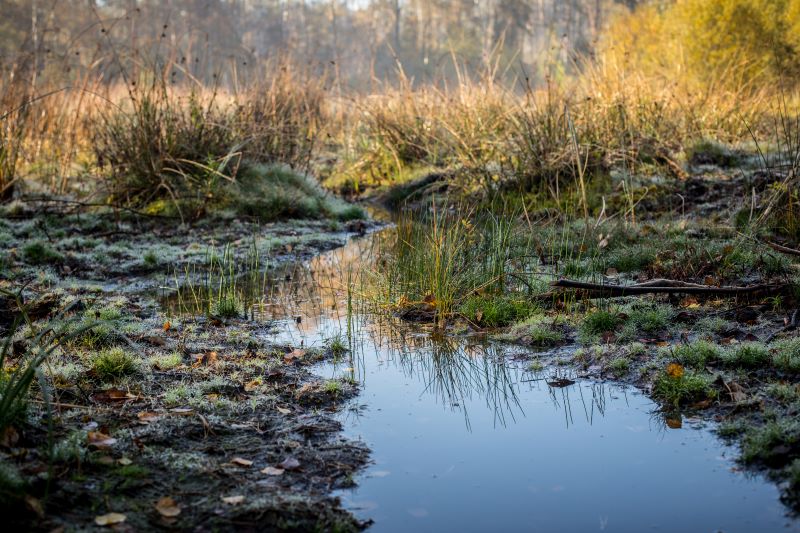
786 354
600 321
167 361
114 363
747 355
696 354
496 311
619 366
40 253
763 444
336 345
227 305
333 387
688 387
649 319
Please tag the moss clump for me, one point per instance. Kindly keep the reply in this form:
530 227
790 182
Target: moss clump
619 367
649 319
696 354
710 152
786 354
600 321
40 253
227 306
271 192
680 388
114 363
496 311
747 355
768 444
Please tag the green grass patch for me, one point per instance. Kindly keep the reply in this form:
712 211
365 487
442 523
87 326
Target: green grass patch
496 311
688 387
600 321
114 363
40 253
786 354
696 354
747 355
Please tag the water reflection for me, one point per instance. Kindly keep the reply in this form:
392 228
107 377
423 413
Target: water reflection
465 437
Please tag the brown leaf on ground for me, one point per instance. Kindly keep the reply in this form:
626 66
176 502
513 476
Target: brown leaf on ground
113 395
293 356
145 417
233 500
240 461
204 359
110 519
99 440
167 326
272 471
250 386
674 422
167 507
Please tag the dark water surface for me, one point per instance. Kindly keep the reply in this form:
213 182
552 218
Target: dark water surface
465 438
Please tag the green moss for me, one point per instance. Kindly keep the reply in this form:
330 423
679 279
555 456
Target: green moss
689 387
114 363
765 444
649 319
600 321
167 361
496 311
786 354
40 253
619 366
747 355
696 354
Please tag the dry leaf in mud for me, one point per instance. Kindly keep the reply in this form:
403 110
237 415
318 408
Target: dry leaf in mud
736 391
272 471
124 461
612 272
478 316
167 326
110 519
99 440
240 461
167 507
233 500
204 359
113 395
674 422
293 355
674 370
283 410
290 463
145 417
430 300
250 386
182 411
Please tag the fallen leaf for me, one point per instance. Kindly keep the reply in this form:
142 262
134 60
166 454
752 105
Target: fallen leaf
167 507
293 355
124 461
478 316
113 395
674 422
183 411
283 410
99 440
612 273
204 359
272 471
167 326
233 500
110 519
253 385
290 463
674 370
145 417
240 461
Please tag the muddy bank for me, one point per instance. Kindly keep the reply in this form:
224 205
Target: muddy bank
158 421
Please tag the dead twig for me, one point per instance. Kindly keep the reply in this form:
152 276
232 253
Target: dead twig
665 286
783 249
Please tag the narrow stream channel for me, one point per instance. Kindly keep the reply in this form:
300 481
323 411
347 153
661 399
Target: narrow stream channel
465 438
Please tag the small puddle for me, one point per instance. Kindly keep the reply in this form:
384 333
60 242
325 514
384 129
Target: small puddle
465 438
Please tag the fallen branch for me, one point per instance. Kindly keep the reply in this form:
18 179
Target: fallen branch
665 286
783 249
